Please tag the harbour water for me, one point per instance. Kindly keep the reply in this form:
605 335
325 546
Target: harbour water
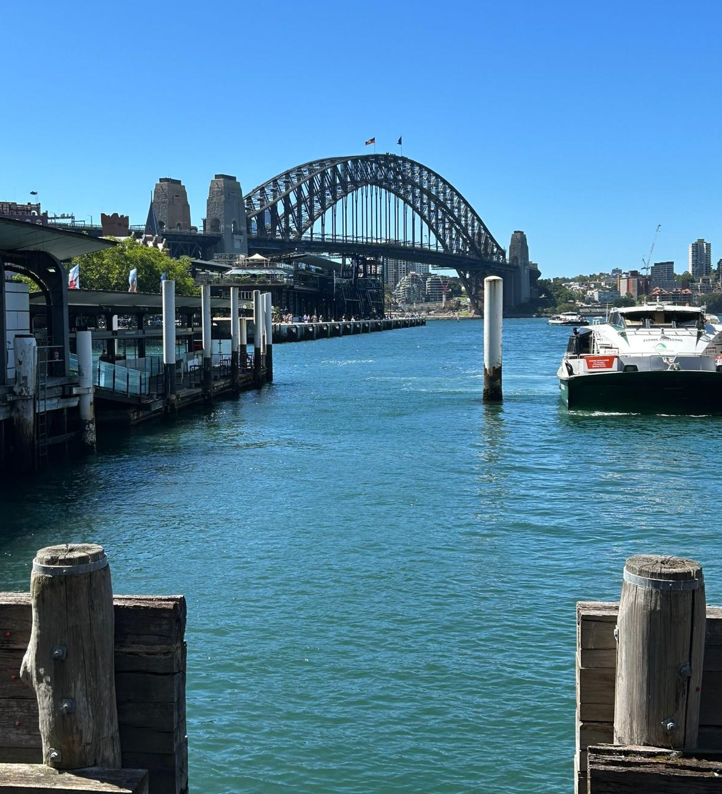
381 572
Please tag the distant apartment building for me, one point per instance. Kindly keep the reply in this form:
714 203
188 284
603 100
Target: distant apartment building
396 269
632 283
662 275
434 287
605 295
411 289
678 295
700 258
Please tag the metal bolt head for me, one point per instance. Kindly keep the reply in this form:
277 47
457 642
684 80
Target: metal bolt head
54 755
685 670
59 652
67 706
670 725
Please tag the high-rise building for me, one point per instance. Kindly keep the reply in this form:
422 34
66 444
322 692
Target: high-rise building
662 274
226 214
170 205
519 257
700 258
396 269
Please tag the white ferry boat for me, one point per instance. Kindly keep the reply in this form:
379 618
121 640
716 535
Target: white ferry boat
568 318
646 357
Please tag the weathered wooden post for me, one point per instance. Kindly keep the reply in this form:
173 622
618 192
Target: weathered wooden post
493 319
660 651
26 368
70 660
269 337
84 349
257 335
207 348
168 291
235 378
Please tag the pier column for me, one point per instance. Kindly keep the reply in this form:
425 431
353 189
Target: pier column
257 335
660 652
493 318
84 348
168 290
243 339
269 337
26 367
235 379
207 352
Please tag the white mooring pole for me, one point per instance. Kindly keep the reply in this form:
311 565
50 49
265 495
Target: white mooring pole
84 348
207 352
493 318
26 367
257 335
168 290
269 337
234 339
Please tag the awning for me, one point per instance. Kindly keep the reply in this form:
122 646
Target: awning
129 302
21 236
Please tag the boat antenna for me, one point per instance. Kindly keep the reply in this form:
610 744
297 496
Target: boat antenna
651 251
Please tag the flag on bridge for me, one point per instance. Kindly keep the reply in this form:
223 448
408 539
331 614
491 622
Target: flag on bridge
74 278
133 280
400 141
370 141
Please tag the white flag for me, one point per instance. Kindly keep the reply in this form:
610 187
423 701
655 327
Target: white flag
74 278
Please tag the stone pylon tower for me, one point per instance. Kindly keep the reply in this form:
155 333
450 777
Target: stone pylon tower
519 257
226 214
170 203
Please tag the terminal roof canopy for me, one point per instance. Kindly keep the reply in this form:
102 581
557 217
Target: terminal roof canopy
20 236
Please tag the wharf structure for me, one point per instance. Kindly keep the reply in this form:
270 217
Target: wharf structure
75 359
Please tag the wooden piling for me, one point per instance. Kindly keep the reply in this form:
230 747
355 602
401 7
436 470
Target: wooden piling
493 319
69 661
26 367
660 653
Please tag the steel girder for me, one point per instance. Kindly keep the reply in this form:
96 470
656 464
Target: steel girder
287 206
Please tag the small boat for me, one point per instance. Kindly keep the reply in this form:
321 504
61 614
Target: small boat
568 318
652 357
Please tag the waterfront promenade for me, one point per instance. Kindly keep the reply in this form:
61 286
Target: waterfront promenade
404 562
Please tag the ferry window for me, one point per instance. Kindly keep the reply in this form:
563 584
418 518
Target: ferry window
686 320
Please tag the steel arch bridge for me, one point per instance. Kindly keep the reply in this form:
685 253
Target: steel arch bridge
379 205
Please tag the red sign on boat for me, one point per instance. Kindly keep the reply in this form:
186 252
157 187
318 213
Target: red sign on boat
600 362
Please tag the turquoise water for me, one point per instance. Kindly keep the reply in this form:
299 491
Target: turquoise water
381 572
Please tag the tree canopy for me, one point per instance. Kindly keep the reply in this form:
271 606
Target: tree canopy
110 268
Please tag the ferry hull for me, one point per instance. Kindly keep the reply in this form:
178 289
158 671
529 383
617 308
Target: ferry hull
666 391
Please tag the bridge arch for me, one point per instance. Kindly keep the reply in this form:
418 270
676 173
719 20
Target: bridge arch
291 205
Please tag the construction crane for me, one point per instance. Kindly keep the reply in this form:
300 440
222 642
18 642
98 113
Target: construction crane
651 251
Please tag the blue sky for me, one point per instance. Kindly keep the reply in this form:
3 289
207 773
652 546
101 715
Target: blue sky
583 123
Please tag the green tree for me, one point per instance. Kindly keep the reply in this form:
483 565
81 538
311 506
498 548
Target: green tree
109 269
627 300
713 301
684 278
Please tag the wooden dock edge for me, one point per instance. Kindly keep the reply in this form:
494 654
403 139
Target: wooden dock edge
596 661
150 678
